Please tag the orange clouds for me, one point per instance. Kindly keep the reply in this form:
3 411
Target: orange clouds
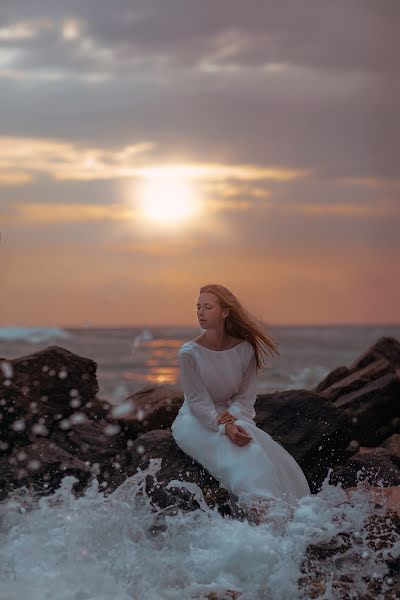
64 160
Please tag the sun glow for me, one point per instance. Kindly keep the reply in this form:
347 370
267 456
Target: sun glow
168 198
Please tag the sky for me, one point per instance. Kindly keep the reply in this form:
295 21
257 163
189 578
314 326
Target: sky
150 148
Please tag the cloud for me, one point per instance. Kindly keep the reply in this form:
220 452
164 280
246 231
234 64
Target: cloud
227 33
22 158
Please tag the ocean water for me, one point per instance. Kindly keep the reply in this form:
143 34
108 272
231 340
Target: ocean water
131 358
100 547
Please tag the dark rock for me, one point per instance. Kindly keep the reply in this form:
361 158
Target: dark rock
358 379
175 465
333 377
380 358
388 429
371 407
352 448
376 468
386 347
392 444
43 389
40 466
151 408
53 372
91 441
313 431
333 568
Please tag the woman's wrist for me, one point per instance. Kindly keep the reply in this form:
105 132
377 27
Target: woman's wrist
227 424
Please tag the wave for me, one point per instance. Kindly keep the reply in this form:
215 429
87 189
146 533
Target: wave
33 334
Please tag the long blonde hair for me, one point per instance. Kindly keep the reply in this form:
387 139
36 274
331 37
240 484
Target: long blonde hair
240 323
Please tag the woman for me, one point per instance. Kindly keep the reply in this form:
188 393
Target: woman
215 424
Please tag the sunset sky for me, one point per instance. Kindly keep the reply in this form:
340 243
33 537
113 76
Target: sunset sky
149 148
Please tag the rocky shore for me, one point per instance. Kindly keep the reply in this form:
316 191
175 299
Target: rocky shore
53 424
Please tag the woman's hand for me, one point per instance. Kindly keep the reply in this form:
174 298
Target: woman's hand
225 417
237 434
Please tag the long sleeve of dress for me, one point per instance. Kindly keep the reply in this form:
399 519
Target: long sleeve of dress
242 406
196 394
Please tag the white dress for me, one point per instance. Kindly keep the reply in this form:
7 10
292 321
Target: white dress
218 380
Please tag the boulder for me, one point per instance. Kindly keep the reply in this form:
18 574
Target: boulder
41 466
333 377
358 379
380 358
376 467
371 407
392 444
42 389
174 465
306 424
330 568
150 408
386 347
95 442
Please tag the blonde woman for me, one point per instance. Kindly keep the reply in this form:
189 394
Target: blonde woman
215 424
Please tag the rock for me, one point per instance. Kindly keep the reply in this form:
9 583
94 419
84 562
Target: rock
175 465
371 407
53 372
392 444
368 392
358 379
96 442
386 347
352 448
42 389
376 468
333 377
388 429
332 569
380 358
375 450
313 431
40 466
151 408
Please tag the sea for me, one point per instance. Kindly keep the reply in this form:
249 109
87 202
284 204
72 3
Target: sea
100 547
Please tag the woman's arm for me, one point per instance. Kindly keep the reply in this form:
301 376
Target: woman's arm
199 400
242 406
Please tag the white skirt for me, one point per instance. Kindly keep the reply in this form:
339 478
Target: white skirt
261 469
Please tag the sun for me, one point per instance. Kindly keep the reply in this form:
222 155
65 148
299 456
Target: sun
168 198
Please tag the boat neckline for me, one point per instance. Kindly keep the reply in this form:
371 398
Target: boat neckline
211 350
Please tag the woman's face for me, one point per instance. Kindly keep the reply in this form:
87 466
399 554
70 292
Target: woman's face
209 311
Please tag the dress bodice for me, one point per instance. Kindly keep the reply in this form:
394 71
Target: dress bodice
217 380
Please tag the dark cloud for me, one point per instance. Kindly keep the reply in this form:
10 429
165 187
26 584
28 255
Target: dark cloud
355 35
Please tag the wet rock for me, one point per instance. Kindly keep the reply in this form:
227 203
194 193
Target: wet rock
151 408
388 429
380 358
358 379
377 467
392 444
40 466
339 568
332 378
309 427
53 372
386 347
90 441
175 465
39 390
371 407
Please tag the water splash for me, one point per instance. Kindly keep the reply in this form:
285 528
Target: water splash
108 547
